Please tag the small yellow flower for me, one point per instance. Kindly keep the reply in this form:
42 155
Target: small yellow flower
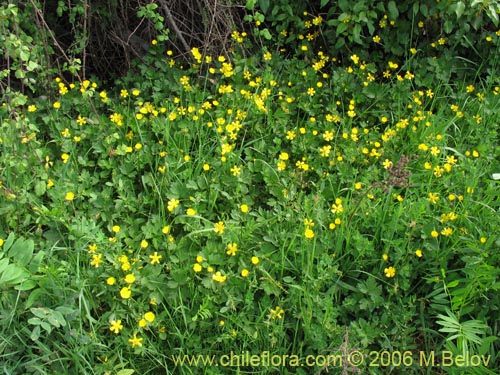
219 277
69 196
434 233
244 208
419 253
115 326
166 229
197 267
149 316
1 242
232 248
244 272
125 292
219 227
277 313
135 341
482 240
309 233
96 260
390 272
111 280
116 228
172 204
255 260
144 244
155 258
190 212
130 278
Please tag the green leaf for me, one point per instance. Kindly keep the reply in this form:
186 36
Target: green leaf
10 240
22 251
393 10
323 3
34 321
40 188
264 5
3 265
41 312
459 9
251 4
493 14
356 33
13 275
125 372
341 28
35 334
57 319
26 285
46 326
266 34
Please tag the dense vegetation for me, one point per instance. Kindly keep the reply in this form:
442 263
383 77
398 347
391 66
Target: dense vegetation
315 188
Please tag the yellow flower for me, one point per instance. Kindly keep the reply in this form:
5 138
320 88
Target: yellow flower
116 228
434 233
130 278
69 196
57 105
155 258
277 313
255 260
111 280
236 171
32 108
219 227
172 204
419 253
390 272
135 341
309 233
96 260
142 323
244 208
1 242
115 326
433 197
165 229
197 267
144 244
482 240
149 316
125 292
190 212
219 277
232 248
447 231
65 158
244 272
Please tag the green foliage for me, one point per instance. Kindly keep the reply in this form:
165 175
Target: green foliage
294 201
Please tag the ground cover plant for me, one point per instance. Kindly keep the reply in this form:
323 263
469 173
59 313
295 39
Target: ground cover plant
335 212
